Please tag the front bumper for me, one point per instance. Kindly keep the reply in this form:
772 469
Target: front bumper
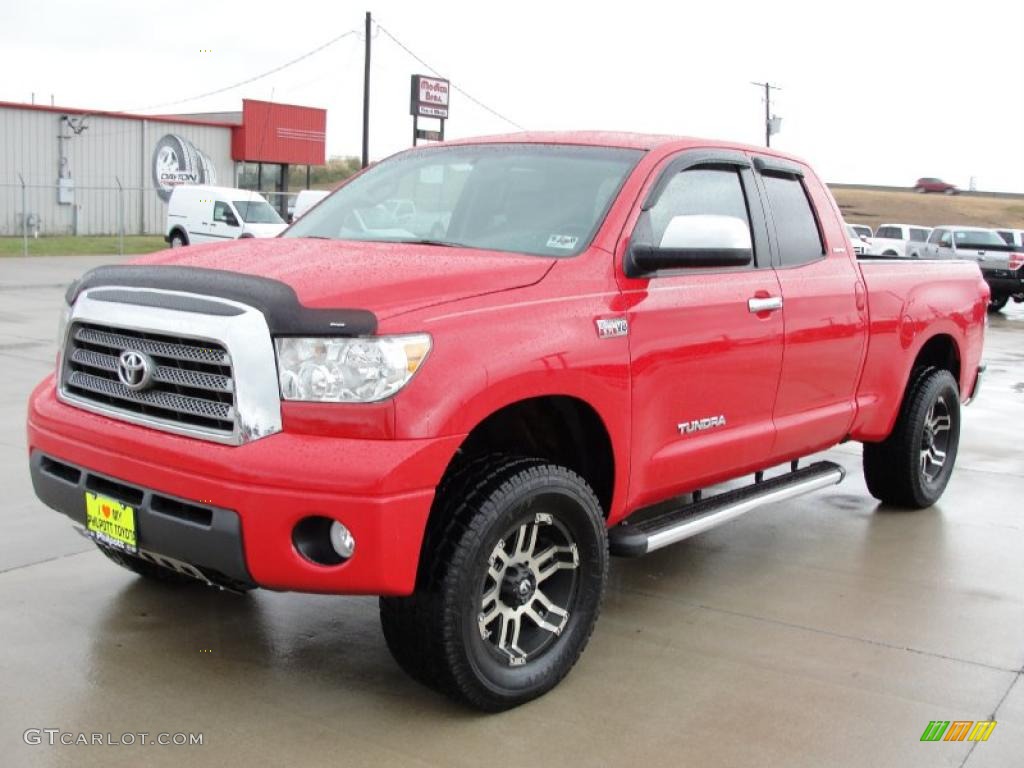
207 538
381 490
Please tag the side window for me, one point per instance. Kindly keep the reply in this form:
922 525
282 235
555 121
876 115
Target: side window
222 213
918 235
797 230
946 240
884 232
1007 236
935 236
694 192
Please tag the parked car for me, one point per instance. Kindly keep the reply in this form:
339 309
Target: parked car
903 240
202 214
999 261
863 230
468 428
931 184
306 199
861 245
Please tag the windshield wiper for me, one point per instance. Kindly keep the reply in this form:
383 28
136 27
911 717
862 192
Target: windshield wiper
428 241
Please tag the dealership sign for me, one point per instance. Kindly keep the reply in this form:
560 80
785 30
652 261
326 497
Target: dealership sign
429 97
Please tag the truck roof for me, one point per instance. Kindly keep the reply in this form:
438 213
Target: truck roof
619 139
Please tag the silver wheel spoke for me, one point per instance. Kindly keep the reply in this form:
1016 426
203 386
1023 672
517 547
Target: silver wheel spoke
941 424
550 610
554 559
508 641
526 540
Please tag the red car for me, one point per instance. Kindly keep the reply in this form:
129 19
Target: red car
929 184
469 424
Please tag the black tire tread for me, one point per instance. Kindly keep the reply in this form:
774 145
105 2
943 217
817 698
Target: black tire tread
890 466
416 627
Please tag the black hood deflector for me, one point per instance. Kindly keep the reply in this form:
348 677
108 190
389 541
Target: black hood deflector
276 300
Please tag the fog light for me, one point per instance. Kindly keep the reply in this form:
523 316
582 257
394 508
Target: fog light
323 541
341 540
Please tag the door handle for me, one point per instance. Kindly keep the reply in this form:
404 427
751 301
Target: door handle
769 304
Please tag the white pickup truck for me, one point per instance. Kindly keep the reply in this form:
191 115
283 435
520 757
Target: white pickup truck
903 240
1001 263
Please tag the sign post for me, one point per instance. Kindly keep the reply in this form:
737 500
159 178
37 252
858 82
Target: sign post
428 98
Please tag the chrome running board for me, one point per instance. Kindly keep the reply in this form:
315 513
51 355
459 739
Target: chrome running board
632 539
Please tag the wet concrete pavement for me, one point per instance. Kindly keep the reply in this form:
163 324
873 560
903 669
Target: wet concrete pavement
819 632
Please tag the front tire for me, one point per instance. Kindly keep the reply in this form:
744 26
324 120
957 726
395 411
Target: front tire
912 466
510 586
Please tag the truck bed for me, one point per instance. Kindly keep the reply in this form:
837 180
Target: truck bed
906 298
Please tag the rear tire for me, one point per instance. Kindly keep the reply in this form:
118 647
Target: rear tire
912 466
145 569
995 305
178 240
510 585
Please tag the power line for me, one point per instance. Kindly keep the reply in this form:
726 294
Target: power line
248 80
454 87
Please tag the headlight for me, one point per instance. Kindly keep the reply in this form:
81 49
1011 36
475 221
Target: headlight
361 370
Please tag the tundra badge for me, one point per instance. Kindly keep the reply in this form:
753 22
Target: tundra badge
699 425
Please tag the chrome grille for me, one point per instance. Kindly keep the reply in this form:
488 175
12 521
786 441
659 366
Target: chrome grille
192 382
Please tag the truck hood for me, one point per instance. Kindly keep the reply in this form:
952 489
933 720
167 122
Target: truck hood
386 278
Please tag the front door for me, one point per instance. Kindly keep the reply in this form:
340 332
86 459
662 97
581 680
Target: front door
705 361
225 224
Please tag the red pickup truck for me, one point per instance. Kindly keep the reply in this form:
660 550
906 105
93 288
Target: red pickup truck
601 329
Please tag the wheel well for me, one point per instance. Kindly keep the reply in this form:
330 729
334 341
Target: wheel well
940 352
561 429
180 231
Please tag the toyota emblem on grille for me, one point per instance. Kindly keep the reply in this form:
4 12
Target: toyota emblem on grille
135 369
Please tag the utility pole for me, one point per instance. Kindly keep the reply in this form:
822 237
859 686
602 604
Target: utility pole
768 88
366 96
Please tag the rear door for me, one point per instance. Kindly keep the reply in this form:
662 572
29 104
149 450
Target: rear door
705 363
824 311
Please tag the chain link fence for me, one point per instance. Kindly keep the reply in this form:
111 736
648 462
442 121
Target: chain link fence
118 218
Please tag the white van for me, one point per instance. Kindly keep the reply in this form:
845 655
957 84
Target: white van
201 214
306 199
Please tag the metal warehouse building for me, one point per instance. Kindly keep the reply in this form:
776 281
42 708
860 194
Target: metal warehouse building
74 171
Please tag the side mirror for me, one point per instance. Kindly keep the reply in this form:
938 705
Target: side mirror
702 240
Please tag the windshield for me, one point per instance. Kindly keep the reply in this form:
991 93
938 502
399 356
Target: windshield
257 212
537 199
966 238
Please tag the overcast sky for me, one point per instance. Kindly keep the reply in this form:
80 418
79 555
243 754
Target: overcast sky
884 93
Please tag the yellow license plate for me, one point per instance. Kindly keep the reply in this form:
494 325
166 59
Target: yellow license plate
111 522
